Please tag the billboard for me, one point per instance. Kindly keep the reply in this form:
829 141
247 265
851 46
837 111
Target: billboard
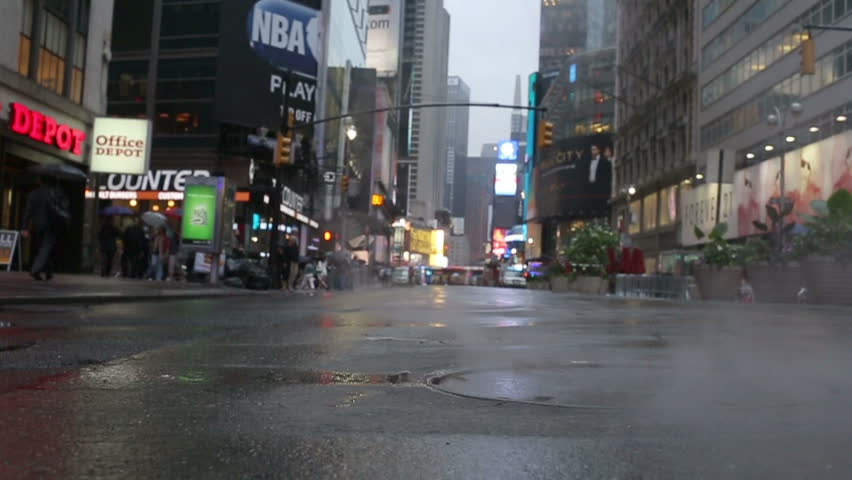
505 179
383 36
574 178
259 42
498 241
507 150
421 241
122 145
199 220
812 172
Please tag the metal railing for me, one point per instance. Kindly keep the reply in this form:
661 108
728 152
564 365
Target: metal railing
652 286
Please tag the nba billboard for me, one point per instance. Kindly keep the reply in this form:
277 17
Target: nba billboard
260 42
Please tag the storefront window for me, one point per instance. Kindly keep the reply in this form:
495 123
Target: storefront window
635 217
668 206
649 212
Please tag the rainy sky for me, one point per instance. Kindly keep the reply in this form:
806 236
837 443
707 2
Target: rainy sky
491 41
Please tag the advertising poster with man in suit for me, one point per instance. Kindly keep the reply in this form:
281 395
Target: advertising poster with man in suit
575 178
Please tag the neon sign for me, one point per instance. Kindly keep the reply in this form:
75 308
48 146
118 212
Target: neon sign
43 128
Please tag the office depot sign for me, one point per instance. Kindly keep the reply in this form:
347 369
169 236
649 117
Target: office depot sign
45 129
121 145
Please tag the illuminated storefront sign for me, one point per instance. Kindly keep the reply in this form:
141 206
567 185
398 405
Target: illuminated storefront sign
122 145
45 129
154 185
421 241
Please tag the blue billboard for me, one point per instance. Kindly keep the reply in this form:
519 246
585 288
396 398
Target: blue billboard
259 41
507 150
285 34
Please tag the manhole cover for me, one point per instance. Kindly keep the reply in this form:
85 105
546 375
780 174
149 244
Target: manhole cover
579 384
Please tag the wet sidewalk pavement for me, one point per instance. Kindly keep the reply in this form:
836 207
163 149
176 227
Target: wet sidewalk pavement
20 288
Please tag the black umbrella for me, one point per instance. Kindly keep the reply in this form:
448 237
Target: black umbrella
60 171
117 211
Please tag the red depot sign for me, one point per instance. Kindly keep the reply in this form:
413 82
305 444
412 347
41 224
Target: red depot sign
43 128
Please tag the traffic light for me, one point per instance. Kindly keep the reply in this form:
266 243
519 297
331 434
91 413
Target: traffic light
282 150
327 236
545 134
344 183
808 53
283 147
377 200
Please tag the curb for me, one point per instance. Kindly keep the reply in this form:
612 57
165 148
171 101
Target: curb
103 298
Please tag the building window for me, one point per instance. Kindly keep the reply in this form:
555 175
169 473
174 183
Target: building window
25 41
184 118
190 25
744 25
786 41
829 69
54 38
79 60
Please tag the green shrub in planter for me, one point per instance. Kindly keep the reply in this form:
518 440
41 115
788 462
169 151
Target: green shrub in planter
589 245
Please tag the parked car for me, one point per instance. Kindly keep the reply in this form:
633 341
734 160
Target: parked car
511 277
537 267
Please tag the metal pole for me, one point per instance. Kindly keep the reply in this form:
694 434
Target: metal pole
719 186
782 122
781 205
275 198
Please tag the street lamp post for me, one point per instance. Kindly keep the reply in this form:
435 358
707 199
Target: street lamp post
779 119
351 135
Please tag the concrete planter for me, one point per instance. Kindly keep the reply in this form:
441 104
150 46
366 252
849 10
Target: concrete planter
718 283
538 285
775 283
828 280
579 284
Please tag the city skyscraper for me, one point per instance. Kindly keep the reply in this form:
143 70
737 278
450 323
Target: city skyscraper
519 119
426 44
458 123
572 26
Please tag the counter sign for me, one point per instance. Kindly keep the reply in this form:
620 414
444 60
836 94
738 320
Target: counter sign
121 145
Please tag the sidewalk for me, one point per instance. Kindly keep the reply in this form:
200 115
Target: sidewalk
19 288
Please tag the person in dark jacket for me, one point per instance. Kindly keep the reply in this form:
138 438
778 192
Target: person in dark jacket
135 252
108 242
44 215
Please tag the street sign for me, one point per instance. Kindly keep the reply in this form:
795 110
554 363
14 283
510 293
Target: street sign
9 244
329 177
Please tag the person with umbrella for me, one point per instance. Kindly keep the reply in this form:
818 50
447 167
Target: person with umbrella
45 217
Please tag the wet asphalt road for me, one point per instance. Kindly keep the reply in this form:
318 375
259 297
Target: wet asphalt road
307 387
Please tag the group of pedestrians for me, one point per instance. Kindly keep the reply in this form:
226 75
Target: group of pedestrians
310 274
151 254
